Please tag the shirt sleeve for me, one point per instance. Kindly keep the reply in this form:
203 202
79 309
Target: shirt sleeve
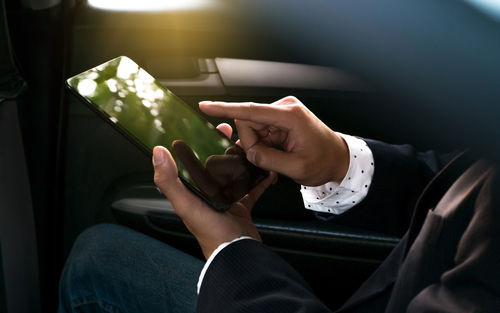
337 198
212 257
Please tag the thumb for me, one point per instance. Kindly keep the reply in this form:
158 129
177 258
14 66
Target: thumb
164 166
167 179
271 159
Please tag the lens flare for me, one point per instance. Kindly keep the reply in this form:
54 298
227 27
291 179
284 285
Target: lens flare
148 5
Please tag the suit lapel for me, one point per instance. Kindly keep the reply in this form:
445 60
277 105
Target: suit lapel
434 191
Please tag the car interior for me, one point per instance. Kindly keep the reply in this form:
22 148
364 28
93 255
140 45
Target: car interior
64 169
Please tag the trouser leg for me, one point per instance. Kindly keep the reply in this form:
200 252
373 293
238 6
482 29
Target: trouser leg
114 269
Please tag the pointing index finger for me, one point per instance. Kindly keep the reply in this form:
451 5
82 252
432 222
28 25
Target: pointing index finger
255 112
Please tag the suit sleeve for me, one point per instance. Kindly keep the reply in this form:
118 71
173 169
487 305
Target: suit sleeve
246 276
400 175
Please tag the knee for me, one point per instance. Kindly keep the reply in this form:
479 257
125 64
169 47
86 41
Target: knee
99 239
96 265
94 253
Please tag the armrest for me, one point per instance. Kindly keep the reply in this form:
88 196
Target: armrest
150 211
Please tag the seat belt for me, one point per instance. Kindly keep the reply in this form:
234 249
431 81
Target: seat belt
20 290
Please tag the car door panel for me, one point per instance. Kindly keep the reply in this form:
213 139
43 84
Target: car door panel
313 247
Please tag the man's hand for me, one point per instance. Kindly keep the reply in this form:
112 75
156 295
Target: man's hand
208 226
312 154
224 178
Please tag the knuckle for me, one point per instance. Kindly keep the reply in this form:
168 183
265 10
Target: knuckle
257 159
159 179
251 107
290 100
297 109
242 125
210 163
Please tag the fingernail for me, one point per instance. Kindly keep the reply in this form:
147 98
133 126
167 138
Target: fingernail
158 156
251 155
204 102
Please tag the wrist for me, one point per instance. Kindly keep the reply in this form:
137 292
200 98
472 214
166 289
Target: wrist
341 160
209 246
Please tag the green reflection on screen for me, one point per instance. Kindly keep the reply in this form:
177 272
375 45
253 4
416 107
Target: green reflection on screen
138 104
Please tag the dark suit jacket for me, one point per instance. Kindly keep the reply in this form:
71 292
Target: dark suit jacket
448 260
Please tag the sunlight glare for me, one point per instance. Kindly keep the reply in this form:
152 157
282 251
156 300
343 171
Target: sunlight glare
126 68
112 85
148 5
145 76
87 87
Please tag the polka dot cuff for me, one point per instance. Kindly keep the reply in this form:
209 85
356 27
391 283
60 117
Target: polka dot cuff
334 198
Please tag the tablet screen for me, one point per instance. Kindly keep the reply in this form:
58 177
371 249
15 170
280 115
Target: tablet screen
150 115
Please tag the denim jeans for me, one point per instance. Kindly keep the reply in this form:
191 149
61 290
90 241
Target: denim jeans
114 269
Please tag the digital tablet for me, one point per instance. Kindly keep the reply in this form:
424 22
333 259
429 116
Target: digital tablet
146 113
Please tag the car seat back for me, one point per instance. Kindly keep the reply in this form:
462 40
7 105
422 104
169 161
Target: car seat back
19 282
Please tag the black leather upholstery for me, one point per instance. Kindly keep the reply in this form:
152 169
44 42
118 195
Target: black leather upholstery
19 281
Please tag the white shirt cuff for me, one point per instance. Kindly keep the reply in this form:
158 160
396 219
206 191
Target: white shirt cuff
338 198
212 257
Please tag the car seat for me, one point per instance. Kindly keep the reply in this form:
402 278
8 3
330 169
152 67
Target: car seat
19 282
